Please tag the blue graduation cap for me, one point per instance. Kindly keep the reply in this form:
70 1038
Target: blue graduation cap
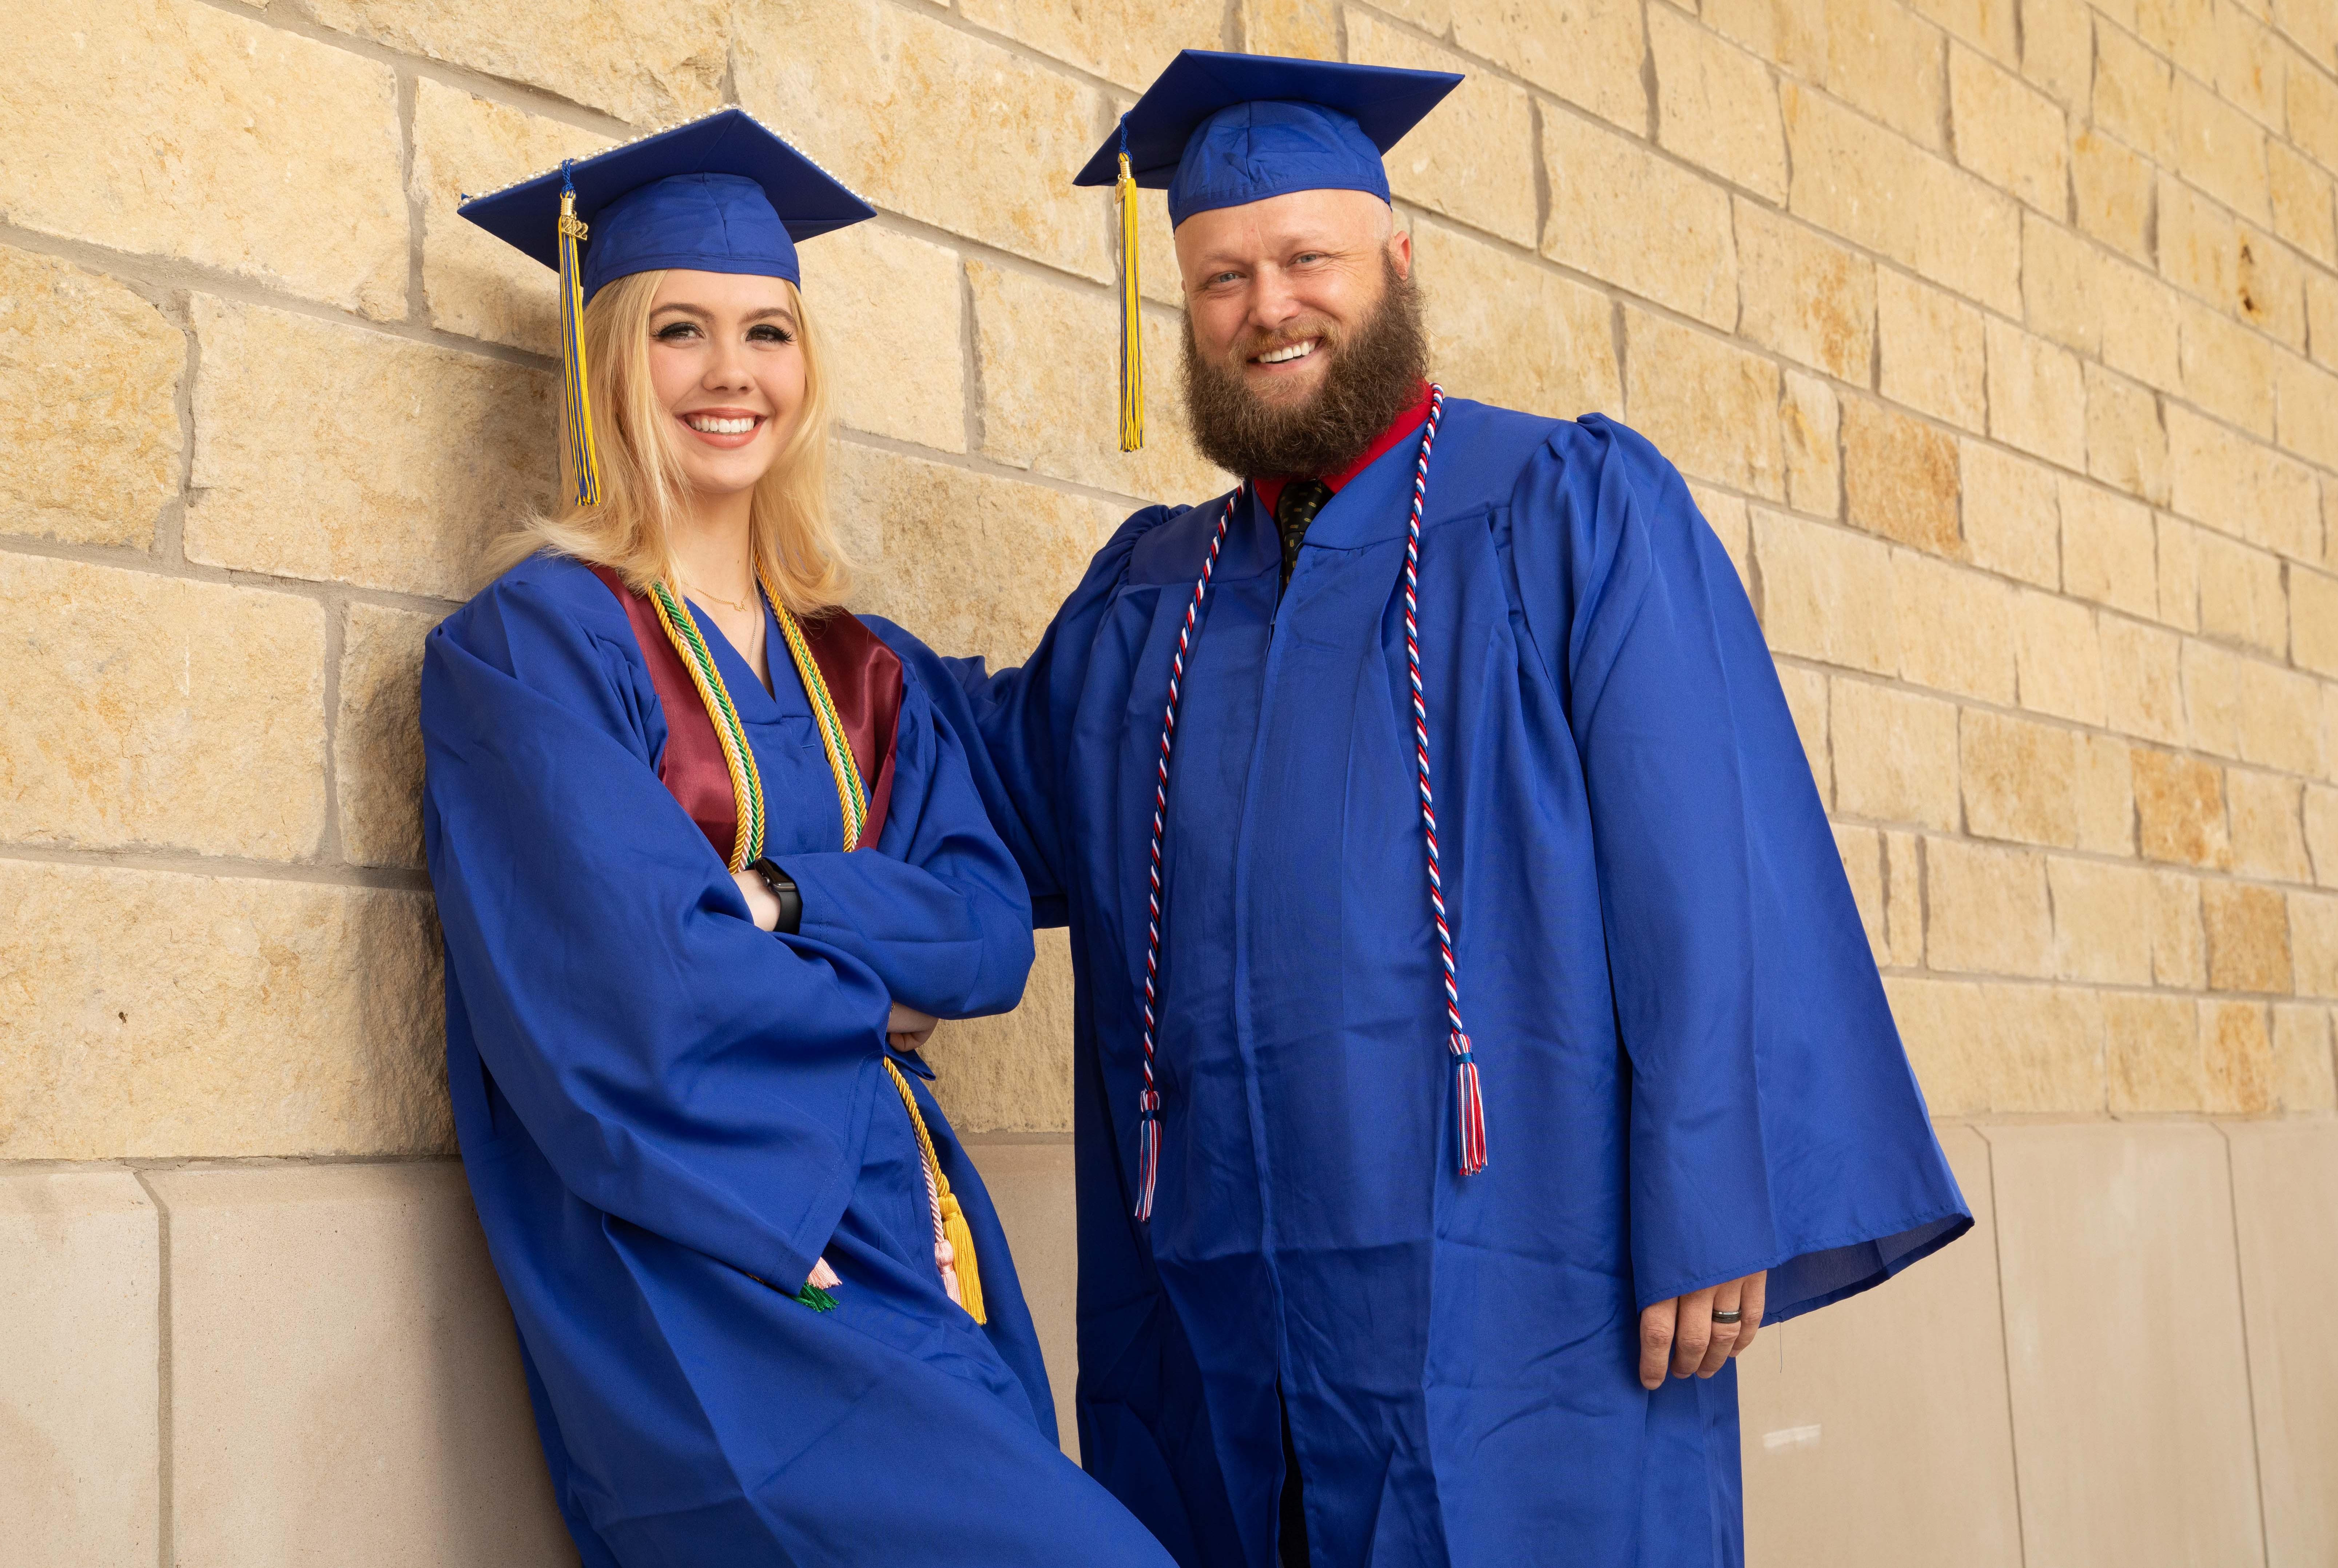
718 195
1219 130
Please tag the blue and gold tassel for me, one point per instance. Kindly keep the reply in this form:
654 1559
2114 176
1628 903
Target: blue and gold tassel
1132 346
576 401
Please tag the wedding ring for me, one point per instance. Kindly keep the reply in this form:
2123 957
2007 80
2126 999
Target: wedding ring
1728 1317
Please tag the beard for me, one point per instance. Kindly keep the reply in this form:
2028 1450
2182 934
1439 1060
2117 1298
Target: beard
1371 373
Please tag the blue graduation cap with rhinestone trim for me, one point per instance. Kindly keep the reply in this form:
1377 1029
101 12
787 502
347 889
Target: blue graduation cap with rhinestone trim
718 195
1219 130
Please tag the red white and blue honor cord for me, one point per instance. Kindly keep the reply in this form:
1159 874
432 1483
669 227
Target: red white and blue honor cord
1471 1112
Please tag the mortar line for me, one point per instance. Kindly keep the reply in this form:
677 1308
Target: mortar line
330 848
314 873
2248 1356
417 307
166 1404
170 546
128 558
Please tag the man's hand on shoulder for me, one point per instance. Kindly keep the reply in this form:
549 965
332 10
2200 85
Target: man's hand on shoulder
1697 1332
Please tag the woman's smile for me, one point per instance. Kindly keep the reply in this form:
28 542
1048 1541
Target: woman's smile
728 429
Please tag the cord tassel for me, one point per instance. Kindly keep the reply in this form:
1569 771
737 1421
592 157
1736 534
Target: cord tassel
1132 343
577 426
960 1236
1472 1130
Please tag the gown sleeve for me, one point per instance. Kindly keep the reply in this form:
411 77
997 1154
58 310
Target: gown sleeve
1013 721
938 914
1776 1122
622 1000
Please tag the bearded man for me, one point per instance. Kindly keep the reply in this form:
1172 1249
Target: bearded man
1476 1036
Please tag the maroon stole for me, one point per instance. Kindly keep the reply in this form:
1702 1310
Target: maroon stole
864 681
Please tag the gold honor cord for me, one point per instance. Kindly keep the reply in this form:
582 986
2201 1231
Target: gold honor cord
953 1238
1132 345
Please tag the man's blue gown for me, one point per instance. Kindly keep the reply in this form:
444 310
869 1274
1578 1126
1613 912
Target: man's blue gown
660 1107
1690 1071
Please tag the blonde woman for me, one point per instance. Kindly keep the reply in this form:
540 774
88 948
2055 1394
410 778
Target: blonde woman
708 868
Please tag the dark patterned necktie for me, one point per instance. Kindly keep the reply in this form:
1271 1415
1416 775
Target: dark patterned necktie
1300 500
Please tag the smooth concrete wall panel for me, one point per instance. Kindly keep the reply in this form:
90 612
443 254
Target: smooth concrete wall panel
1030 1185
80 1449
1875 1431
346 1388
2285 1201
2129 1381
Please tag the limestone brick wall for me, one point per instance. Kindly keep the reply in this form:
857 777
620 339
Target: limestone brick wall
1998 340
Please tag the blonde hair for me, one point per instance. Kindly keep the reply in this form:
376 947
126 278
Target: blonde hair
643 492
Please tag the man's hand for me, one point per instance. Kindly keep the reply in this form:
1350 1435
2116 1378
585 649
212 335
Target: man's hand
1680 1336
762 904
908 1028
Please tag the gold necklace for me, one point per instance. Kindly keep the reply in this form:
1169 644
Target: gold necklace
741 605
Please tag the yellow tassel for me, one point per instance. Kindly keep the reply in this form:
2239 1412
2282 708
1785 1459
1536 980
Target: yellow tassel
576 429
1132 345
960 1236
962 1273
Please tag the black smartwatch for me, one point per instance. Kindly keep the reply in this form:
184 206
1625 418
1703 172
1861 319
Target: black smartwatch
783 888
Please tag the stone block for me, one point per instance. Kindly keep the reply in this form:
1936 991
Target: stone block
2284 1184
1011 1075
901 139
80 1303
1811 429
2240 597
1506 331
1726 516
1981 1048
2142 685
2179 805
241 142
1903 898
2020 778
2078 1274
1928 351
2302 1075
2199 245
2321 318
341 455
1900 477
1888 65
1807 701
1857 1452
2057 51
1900 201
2037 396
2146 344
156 1014
1122 41
2106 791
2151 1046
977 564
2242 488
2248 936
891 311
337 1337
2009 133
1045 353
1623 214
2113 189
1956 628
2279 719
2058 661
2179 573
1708 405
2106 549
2312 928
1588 52
1895 755
2212 696
2321 827
89 386
2312 100
2227 370
2134 97
2059 296
156 712
2305 409
1716 106
472 282
1473 160
1861 851
2220 150
2236 1059
2268 825
2179 947
2313 620
1804 296
2012 514
1031 1185
2302 211
1309 29
2127 444
2273 288
377 735
2096 936
1826 593
1988 910
2248 62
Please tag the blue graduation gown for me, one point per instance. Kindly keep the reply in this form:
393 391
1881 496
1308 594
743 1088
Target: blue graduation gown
1690 1071
661 1106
